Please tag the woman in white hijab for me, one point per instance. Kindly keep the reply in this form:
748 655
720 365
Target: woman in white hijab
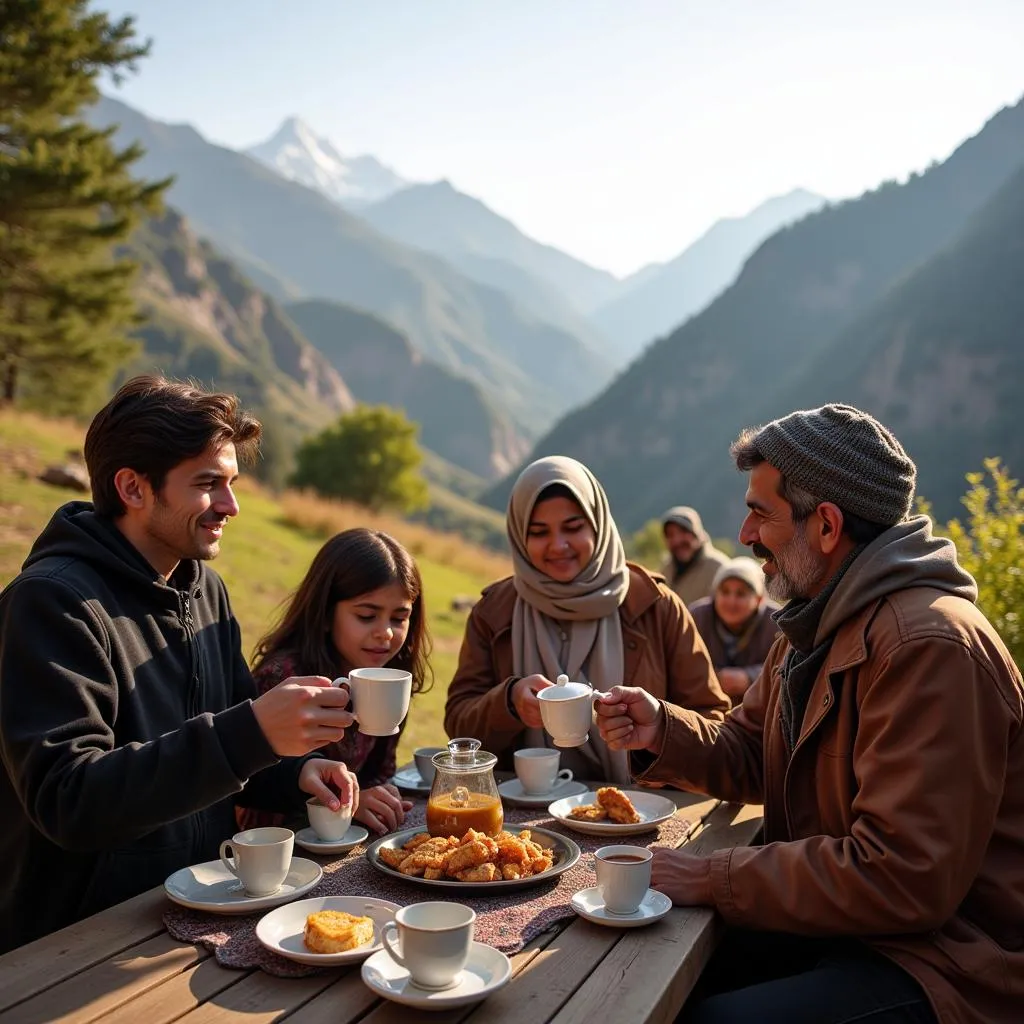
575 606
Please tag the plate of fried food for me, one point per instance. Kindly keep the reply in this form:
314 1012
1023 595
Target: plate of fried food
326 930
476 862
612 811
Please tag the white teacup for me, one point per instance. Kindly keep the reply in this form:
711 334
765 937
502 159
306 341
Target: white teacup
330 826
259 858
537 770
567 711
379 698
424 758
623 876
434 941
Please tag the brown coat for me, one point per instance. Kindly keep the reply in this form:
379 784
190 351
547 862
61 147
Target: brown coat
663 653
899 817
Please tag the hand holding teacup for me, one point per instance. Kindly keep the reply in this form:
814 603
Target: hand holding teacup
379 698
301 714
524 699
331 784
629 718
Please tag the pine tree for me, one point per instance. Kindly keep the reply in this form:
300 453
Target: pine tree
67 197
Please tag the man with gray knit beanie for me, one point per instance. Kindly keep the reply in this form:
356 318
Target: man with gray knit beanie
885 738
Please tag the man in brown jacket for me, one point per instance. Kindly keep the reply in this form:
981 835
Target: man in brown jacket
884 738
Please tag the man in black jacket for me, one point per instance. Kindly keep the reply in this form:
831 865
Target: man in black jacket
129 723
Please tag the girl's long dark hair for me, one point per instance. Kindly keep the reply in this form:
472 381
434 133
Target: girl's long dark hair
350 564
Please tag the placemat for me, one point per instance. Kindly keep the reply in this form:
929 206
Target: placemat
506 921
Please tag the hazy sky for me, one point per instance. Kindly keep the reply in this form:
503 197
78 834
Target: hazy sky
617 130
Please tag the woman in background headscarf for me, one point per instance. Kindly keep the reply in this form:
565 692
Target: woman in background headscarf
573 606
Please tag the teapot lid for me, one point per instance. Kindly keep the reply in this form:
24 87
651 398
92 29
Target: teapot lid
464 755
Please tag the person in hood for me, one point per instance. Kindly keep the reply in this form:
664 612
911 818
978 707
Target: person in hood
884 738
129 722
692 560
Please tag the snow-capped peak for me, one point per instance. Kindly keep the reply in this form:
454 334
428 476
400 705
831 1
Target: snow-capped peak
296 152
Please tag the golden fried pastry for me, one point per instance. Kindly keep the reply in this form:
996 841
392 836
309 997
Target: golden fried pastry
588 812
619 807
334 931
485 872
475 857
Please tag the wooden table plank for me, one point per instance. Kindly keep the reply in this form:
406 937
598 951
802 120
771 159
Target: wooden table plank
105 986
651 971
176 996
346 1000
260 998
31 969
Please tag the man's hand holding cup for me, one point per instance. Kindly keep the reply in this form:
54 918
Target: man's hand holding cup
629 718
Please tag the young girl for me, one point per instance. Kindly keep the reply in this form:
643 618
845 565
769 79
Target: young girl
359 606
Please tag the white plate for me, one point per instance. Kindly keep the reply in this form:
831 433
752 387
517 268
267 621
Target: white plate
212 887
588 903
653 810
410 779
488 970
309 840
513 792
564 851
281 930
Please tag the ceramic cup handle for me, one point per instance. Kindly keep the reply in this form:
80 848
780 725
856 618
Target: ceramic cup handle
565 775
342 681
227 850
389 930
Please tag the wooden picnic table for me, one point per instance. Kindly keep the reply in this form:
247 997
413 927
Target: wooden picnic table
122 967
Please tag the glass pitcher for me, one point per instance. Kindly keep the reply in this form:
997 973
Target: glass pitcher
464 794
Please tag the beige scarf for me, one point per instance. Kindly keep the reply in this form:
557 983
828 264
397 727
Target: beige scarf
584 611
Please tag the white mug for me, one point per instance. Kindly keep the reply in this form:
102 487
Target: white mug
424 758
330 826
623 876
567 711
435 940
379 698
537 770
259 858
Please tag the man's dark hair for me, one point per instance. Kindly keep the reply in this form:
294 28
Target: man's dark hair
746 454
152 425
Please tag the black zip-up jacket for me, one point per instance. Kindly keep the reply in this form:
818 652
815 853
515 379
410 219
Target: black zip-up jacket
126 726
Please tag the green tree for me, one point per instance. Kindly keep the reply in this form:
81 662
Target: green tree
370 456
990 546
67 197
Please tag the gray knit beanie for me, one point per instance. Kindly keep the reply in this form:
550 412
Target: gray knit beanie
845 456
745 569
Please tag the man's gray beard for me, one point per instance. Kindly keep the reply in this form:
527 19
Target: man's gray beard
798 571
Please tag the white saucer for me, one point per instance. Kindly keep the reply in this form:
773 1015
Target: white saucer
212 887
487 971
513 792
410 779
588 904
653 810
281 930
309 840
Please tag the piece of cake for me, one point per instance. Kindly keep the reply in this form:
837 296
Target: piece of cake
334 931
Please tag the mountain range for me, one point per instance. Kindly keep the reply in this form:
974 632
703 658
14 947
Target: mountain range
295 243
868 300
660 297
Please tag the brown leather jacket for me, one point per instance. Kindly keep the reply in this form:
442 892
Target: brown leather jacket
663 653
899 817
